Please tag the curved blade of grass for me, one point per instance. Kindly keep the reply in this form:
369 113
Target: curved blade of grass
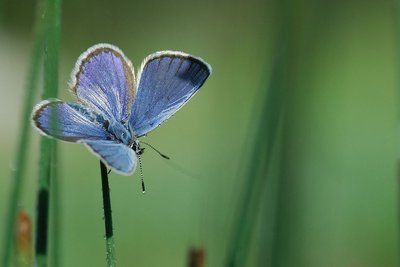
257 172
47 164
265 153
18 175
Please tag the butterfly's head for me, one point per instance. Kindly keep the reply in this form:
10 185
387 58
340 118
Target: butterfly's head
136 147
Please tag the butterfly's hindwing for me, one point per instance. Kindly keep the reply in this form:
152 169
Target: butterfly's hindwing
68 121
115 155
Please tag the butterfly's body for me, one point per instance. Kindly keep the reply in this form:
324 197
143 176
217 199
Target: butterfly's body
121 132
114 109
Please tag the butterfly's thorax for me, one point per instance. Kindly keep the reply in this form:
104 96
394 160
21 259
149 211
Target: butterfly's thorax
120 132
125 135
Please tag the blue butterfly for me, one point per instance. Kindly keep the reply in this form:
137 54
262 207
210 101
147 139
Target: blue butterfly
114 108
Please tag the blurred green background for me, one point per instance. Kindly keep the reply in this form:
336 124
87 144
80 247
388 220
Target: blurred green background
328 194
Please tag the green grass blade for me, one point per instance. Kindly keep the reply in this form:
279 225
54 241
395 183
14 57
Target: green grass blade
18 175
47 165
261 175
257 172
55 212
397 35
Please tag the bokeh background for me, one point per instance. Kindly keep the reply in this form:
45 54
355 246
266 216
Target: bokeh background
286 157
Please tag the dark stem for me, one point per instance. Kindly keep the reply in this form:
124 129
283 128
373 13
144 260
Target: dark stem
107 216
106 200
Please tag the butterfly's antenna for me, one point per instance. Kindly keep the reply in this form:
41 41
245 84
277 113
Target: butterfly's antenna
141 174
156 150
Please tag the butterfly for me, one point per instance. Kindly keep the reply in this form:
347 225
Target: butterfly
115 108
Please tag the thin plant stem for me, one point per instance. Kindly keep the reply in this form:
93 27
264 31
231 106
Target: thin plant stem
47 164
18 174
55 210
110 250
43 203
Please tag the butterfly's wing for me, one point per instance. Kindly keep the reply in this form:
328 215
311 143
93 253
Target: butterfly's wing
74 122
103 79
166 81
117 156
68 121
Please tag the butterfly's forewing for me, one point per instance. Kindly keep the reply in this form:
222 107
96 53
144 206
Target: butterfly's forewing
103 79
68 121
166 81
119 157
